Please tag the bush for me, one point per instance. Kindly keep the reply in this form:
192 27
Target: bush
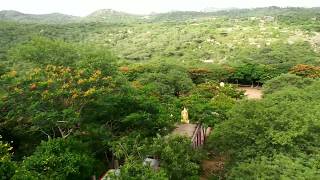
177 157
284 81
135 170
278 166
58 159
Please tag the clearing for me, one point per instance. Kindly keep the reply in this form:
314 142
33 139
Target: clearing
252 92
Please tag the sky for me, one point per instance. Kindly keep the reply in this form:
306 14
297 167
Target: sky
85 7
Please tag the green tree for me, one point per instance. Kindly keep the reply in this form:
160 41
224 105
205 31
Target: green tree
284 81
44 51
209 103
272 125
135 170
7 166
248 73
41 51
58 159
177 157
173 82
277 167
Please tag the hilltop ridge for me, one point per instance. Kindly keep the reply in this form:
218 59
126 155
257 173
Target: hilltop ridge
11 15
113 16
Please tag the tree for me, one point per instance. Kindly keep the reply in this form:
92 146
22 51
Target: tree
48 100
214 72
174 82
177 157
308 71
278 166
7 166
284 81
57 159
284 56
248 73
208 102
135 170
129 110
41 51
272 125
44 51
51 100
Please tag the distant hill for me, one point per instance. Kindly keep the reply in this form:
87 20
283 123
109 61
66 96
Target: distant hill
269 11
111 16
104 15
54 18
180 15
213 9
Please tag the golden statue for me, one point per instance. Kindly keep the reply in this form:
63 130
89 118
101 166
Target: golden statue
184 116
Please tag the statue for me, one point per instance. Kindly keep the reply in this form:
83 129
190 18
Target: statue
221 84
184 116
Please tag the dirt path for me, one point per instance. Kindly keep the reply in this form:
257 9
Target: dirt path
213 166
252 93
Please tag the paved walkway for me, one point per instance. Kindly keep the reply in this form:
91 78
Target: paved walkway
185 130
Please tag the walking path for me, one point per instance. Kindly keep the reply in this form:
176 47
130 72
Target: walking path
252 93
185 130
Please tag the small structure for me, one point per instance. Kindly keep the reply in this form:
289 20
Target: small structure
269 18
208 61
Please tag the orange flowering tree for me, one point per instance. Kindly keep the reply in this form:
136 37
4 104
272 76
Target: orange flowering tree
306 71
51 99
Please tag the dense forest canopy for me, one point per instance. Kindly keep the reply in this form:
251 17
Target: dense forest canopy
82 95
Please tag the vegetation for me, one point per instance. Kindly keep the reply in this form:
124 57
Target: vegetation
79 96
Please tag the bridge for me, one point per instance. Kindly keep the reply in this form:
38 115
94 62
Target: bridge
197 133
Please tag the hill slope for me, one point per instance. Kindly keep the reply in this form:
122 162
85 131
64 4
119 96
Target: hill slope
111 16
54 18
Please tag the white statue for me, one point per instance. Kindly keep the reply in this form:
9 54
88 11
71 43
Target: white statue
222 84
184 116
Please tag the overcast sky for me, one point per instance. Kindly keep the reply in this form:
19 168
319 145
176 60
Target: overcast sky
85 7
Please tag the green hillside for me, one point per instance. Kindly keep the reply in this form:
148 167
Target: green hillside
111 16
54 18
259 36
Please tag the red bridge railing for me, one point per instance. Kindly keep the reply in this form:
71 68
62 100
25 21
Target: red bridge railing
198 137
